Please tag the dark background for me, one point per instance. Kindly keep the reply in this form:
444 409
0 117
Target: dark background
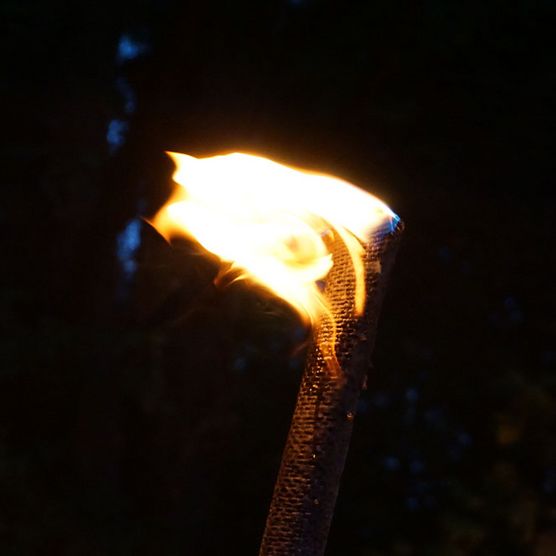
142 411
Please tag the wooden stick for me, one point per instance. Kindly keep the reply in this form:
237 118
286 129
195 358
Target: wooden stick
316 448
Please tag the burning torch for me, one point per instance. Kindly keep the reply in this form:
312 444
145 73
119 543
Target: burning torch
326 247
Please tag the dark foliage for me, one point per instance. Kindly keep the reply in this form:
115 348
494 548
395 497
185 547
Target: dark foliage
142 410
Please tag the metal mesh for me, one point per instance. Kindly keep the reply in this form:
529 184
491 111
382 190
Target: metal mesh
317 444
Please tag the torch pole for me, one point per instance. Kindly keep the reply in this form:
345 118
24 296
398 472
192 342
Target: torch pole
316 448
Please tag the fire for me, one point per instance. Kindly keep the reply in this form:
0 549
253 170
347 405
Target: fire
271 222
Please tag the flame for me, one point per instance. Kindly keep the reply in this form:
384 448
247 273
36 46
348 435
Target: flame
271 222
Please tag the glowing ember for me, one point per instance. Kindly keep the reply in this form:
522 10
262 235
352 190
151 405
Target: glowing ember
271 222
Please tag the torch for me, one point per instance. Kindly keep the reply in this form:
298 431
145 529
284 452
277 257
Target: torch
326 247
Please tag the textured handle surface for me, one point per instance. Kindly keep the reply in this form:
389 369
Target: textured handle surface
316 448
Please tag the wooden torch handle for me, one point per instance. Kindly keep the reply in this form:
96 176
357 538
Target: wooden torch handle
316 448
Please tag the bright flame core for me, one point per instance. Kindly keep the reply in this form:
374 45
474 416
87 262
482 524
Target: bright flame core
271 222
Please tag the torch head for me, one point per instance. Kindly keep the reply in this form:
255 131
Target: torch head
274 224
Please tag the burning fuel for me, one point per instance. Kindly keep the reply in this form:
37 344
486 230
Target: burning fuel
273 224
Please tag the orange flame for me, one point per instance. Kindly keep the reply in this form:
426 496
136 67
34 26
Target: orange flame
270 222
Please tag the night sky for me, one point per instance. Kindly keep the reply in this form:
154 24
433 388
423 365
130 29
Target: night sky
143 411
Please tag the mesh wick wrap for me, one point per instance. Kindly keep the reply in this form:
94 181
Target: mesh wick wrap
316 448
